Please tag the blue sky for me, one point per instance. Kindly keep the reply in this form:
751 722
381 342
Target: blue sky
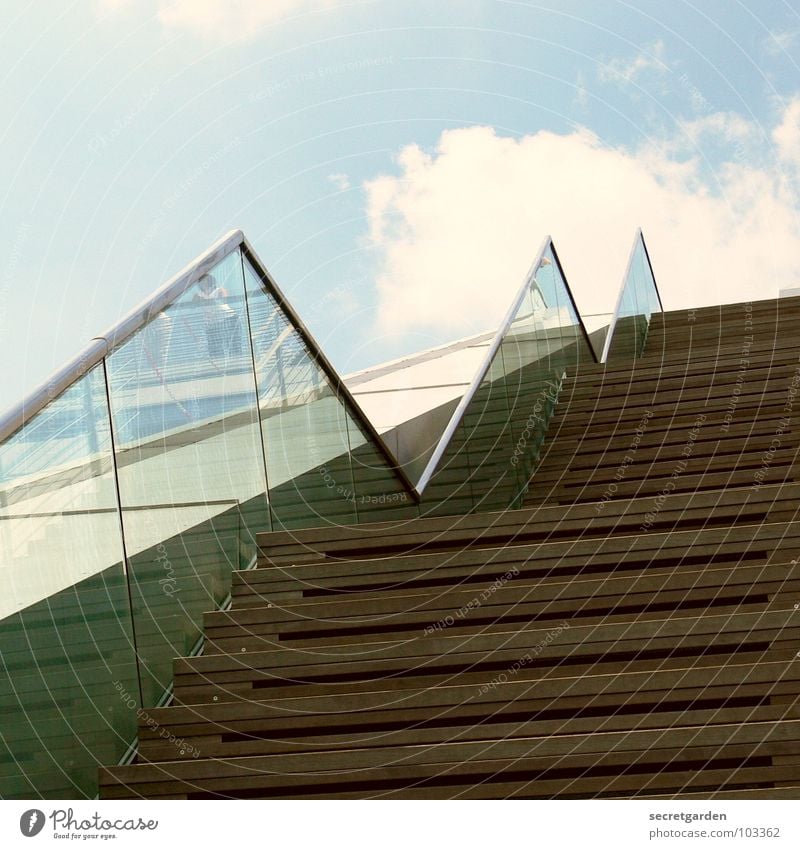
395 163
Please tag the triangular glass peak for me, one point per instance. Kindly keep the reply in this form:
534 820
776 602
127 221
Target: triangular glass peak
638 300
491 446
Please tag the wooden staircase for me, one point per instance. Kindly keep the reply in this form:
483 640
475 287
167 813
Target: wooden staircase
697 412
633 632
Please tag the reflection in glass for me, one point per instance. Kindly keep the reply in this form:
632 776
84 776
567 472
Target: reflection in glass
183 402
303 421
215 401
380 493
66 649
320 467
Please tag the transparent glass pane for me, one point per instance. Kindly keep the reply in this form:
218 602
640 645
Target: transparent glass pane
488 433
559 322
597 326
638 301
499 440
381 495
192 483
322 466
305 424
66 650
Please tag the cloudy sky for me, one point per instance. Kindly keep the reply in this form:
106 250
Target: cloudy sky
396 163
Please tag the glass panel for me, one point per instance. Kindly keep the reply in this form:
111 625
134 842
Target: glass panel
534 351
638 301
496 447
65 630
555 321
322 467
305 424
411 401
488 434
597 326
192 481
183 401
381 494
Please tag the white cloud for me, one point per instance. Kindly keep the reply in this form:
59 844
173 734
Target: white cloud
456 229
720 134
627 70
581 93
221 20
341 181
786 135
724 126
777 43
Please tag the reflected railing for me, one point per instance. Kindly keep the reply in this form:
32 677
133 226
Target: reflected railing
638 300
136 481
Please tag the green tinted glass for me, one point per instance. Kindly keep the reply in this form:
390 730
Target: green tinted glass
494 450
637 302
183 403
68 687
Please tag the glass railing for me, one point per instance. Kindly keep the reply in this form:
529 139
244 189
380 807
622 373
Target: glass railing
137 479
66 634
638 300
493 443
323 464
597 327
133 486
